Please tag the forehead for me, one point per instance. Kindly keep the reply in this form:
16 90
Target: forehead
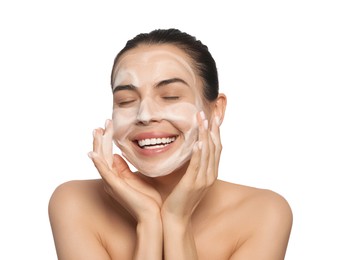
154 59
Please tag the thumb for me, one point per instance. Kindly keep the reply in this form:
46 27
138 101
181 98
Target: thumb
121 165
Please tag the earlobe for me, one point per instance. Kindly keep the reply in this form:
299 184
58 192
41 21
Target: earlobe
220 106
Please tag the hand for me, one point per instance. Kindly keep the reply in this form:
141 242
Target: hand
138 197
200 175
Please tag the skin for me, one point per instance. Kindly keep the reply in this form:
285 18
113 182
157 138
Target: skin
187 214
152 86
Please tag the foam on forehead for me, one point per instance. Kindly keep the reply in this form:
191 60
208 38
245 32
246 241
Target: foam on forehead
145 55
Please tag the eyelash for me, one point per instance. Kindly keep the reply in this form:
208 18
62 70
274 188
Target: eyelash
129 102
171 98
125 103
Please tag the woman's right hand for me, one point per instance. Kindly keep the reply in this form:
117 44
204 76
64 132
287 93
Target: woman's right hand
139 198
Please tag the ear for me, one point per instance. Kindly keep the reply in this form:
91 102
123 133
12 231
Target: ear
219 107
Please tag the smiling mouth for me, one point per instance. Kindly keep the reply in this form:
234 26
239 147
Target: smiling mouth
155 143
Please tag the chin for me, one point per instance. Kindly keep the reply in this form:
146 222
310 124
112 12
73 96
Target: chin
162 168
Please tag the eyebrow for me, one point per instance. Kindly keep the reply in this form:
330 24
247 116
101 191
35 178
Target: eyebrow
124 87
158 85
170 81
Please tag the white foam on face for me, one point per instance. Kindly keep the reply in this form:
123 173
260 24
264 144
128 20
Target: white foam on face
143 69
123 75
123 72
182 117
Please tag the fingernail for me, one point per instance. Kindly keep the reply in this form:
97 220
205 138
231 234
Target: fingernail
200 144
205 124
107 122
89 154
202 115
94 132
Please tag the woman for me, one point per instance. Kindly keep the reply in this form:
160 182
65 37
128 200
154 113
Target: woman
167 111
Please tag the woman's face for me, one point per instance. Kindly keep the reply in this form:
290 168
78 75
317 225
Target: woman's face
156 96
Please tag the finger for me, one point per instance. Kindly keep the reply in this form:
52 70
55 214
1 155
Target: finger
110 176
107 142
101 165
204 139
195 161
211 172
113 184
194 165
216 140
116 186
121 165
97 141
216 137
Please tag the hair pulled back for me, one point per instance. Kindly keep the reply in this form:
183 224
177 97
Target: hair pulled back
202 59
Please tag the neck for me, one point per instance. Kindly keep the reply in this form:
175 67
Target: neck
165 184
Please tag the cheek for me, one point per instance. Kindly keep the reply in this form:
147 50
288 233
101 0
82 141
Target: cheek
182 115
122 120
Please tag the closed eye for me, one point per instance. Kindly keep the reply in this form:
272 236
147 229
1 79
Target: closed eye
126 103
171 97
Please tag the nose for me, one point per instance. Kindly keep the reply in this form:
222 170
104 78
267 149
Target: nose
148 112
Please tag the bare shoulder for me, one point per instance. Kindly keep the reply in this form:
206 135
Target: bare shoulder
87 224
74 204
73 195
263 205
263 220
84 202
254 199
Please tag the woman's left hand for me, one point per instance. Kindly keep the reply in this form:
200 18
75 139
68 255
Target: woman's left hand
201 173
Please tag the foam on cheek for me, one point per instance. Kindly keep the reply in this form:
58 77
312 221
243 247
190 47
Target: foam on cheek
182 116
122 120
180 113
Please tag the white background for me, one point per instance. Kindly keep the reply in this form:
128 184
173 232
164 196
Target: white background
279 64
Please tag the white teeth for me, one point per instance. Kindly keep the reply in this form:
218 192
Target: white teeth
156 142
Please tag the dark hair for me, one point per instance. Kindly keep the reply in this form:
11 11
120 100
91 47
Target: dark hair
203 61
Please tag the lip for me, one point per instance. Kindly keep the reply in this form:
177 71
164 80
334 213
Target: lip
149 135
